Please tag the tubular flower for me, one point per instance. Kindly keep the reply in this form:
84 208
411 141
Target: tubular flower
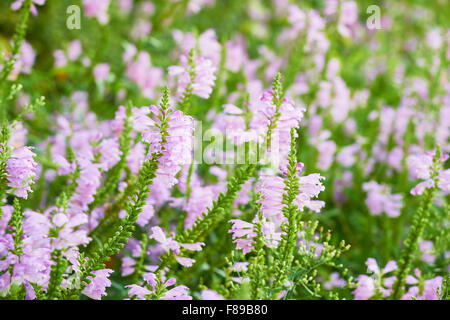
21 168
98 9
148 288
176 149
379 199
204 78
421 167
242 234
272 189
422 289
376 284
96 288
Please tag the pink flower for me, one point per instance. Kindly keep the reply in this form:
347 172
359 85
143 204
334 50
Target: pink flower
101 71
426 248
444 181
74 50
421 167
18 4
96 288
204 76
109 153
270 237
141 29
25 60
199 202
98 9
193 246
242 234
177 150
434 39
146 214
207 44
346 156
167 243
138 291
21 169
379 199
208 294
348 17
88 183
334 282
367 286
420 188
365 289
196 5
141 72
428 291
177 293
127 266
141 292
236 54
271 189
60 58
185 262
326 154
310 187
289 117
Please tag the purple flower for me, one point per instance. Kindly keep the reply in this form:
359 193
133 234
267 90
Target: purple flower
60 58
143 290
98 9
101 71
206 43
334 282
289 116
146 214
326 154
204 76
96 288
127 266
427 290
74 50
177 293
88 183
270 236
198 203
208 294
310 187
21 169
177 150
167 243
426 248
143 74
365 288
16 5
368 286
379 199
185 262
346 156
25 61
242 234
109 153
421 167
138 291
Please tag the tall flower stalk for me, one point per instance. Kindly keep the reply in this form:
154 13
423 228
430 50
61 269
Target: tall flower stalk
418 225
